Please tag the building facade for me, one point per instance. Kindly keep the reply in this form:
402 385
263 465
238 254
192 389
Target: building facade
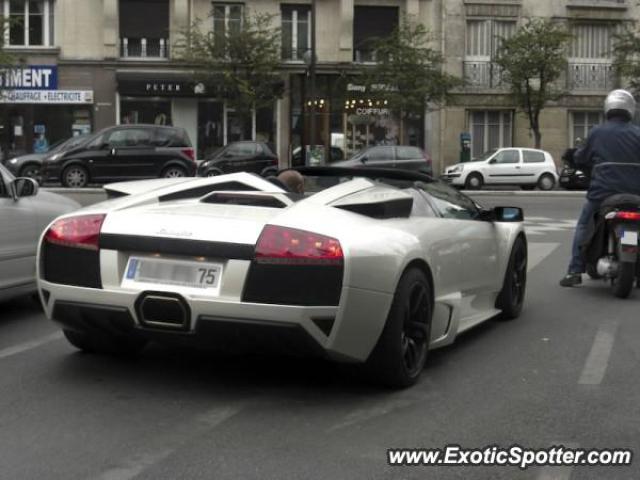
483 110
86 64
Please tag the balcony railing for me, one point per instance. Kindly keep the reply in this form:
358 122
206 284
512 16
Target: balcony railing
482 75
591 76
293 54
365 56
597 3
152 48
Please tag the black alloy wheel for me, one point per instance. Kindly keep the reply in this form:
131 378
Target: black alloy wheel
401 352
32 171
513 291
75 176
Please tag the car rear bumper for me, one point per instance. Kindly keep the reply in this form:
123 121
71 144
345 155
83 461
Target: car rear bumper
345 333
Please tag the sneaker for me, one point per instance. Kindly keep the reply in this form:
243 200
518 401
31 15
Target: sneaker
571 280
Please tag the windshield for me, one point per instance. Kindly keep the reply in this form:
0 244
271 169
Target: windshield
484 156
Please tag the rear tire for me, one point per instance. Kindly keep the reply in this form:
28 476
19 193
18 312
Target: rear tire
474 181
122 346
75 176
623 283
511 297
546 182
173 171
213 173
400 354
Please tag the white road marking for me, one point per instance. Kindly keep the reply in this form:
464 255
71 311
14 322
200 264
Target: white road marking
165 445
596 365
31 344
544 225
538 251
557 472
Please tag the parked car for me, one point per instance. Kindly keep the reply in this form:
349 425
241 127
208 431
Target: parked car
525 167
298 155
29 165
123 152
388 156
244 156
25 211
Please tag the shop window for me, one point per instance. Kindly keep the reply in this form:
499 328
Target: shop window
583 123
369 24
490 129
140 110
296 34
30 23
227 17
144 28
210 127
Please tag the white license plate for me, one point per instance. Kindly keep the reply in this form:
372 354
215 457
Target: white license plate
629 238
182 273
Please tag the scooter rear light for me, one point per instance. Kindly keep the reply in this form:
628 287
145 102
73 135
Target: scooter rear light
282 245
632 216
82 231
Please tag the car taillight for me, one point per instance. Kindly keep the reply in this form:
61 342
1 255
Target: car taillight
633 216
189 152
281 245
81 232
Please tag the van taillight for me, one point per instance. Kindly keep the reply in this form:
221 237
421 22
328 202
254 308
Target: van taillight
189 152
80 232
282 245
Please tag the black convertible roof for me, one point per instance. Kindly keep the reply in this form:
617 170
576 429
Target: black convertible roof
364 172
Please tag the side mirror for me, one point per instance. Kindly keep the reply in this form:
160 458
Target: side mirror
24 187
492 161
508 214
364 159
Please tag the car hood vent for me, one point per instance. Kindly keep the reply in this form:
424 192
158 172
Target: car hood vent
253 199
200 191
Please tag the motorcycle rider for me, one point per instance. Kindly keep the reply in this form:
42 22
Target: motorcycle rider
612 154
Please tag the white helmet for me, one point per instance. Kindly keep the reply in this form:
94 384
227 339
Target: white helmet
620 101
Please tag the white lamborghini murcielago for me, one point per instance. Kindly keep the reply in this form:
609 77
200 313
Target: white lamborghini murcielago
369 266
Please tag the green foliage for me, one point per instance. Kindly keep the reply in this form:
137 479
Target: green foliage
240 65
626 57
532 61
408 72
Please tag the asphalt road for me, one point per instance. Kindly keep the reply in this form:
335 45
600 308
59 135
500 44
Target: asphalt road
566 372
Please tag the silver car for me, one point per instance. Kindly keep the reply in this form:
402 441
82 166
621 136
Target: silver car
24 213
373 267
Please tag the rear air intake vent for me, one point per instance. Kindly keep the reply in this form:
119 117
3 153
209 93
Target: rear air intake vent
254 200
206 189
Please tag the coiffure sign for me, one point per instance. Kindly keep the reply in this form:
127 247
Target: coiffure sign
30 77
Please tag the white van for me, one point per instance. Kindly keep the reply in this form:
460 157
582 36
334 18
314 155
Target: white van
526 167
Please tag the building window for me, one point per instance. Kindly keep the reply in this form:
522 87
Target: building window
296 31
369 24
227 17
144 28
490 129
30 23
590 62
483 40
582 123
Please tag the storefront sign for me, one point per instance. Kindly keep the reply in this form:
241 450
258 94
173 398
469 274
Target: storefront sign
31 77
160 88
376 87
47 96
373 111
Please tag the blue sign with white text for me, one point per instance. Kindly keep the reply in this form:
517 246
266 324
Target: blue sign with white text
29 77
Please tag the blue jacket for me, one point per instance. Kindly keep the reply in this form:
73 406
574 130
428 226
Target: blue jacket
612 154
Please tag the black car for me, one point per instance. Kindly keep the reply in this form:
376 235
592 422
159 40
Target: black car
124 152
244 156
29 165
388 156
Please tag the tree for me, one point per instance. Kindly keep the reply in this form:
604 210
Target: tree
626 58
532 61
239 64
408 73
